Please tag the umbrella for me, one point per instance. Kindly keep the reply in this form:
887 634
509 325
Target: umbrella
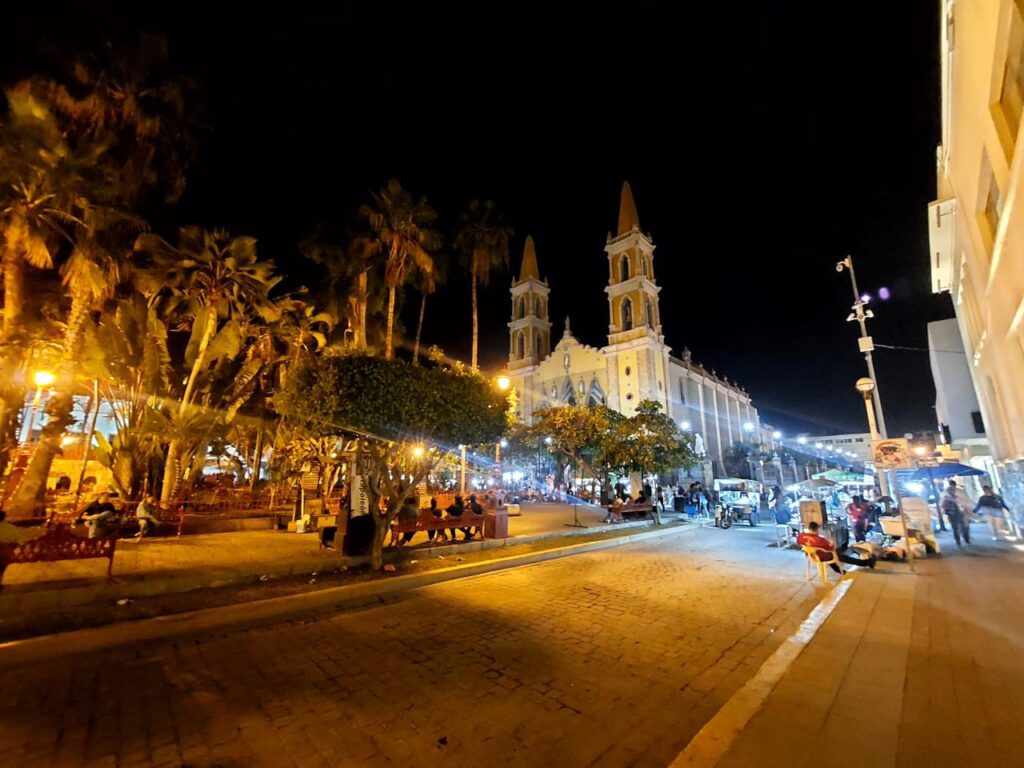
944 470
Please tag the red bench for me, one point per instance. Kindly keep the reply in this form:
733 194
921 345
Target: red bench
427 522
58 543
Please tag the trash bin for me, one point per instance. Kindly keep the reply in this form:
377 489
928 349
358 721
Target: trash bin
358 539
496 524
513 510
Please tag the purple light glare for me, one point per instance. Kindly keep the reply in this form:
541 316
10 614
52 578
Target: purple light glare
883 293
865 297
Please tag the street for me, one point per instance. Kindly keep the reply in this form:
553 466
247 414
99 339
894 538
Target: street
612 658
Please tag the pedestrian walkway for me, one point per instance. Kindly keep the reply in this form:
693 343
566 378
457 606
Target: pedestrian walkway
165 564
917 669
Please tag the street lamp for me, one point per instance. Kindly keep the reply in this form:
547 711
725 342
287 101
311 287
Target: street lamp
866 386
503 382
684 425
42 380
866 344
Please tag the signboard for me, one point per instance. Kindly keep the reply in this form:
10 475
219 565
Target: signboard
892 453
359 502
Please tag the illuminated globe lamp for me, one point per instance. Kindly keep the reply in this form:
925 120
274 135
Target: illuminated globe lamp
503 382
866 386
43 379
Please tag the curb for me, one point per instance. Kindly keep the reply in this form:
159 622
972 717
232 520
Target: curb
277 609
42 597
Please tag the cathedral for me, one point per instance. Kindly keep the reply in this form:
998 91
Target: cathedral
636 364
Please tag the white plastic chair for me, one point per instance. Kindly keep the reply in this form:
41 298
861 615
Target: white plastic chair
811 553
782 533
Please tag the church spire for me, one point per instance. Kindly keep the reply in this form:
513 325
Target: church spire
529 268
628 218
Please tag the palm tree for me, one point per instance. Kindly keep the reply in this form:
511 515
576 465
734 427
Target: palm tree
426 283
214 283
400 225
483 243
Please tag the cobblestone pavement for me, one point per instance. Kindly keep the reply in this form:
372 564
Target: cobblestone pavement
613 658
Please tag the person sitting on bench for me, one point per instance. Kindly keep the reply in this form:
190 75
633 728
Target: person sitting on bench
830 556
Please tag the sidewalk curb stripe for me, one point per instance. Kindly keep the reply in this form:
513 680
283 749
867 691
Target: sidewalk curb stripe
277 609
712 742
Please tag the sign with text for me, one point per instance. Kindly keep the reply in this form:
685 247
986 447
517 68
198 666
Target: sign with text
892 453
359 502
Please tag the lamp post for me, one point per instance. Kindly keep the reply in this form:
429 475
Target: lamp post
865 386
861 316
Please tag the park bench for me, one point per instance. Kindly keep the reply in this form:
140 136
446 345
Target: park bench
640 510
58 543
172 515
427 522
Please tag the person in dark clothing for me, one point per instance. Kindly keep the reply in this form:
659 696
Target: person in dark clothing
958 511
475 509
99 515
436 512
408 514
991 504
457 509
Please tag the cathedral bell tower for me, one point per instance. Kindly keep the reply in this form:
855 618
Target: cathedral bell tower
638 356
632 292
530 329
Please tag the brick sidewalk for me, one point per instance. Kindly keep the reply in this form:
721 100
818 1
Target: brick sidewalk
909 670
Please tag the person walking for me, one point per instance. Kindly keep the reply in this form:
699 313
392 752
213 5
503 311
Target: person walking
858 512
991 504
958 513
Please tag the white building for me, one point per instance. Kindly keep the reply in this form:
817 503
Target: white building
976 224
636 364
839 447
956 405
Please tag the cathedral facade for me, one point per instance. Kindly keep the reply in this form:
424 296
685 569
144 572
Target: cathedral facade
636 364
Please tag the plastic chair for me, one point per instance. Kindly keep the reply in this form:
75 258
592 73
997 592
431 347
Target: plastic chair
811 553
782 533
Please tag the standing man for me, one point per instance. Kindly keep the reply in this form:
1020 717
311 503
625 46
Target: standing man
958 511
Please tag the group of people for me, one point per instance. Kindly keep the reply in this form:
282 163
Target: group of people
410 511
958 509
102 518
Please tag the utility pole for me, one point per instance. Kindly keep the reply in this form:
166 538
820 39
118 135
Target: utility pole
865 342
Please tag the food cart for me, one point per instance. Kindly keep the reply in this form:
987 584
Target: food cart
739 500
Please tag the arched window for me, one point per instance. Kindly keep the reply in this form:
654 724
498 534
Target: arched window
521 345
682 391
643 261
627 314
650 313
624 268
537 345
521 308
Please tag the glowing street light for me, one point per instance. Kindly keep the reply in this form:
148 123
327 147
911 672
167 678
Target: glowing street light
503 381
777 435
802 440
43 379
684 425
748 427
417 451
818 446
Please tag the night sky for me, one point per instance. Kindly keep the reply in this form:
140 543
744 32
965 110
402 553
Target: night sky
762 145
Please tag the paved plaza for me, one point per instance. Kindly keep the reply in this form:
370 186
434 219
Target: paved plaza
611 658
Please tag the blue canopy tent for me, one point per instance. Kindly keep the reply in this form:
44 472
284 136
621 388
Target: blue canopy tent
944 470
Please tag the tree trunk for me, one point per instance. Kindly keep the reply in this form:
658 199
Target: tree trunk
419 330
476 324
13 283
380 530
364 300
257 460
171 465
31 491
389 338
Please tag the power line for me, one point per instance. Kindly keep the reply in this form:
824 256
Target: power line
921 349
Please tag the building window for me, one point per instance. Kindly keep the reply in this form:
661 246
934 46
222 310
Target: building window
579 387
643 261
650 313
979 425
521 308
628 370
993 205
624 268
537 345
682 391
1011 93
627 314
